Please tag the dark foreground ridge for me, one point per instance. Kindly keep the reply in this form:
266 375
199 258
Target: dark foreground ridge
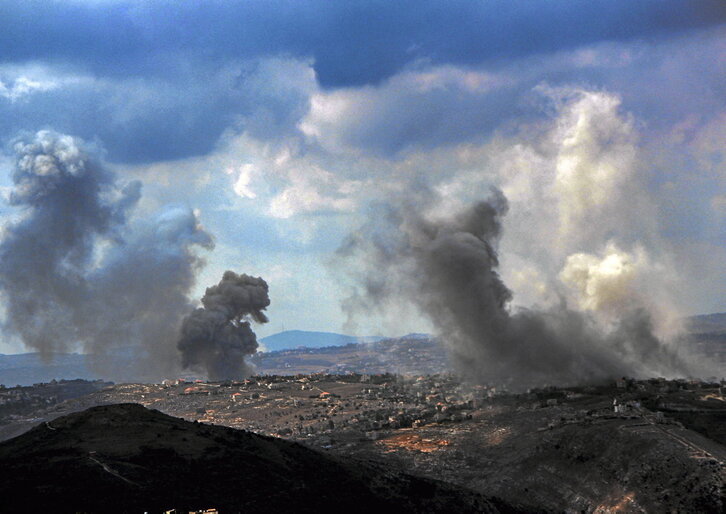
126 458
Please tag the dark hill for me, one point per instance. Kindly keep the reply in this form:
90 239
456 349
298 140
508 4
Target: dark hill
126 458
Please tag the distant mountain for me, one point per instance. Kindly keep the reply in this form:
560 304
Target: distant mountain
708 335
707 323
291 339
30 368
126 458
416 335
413 354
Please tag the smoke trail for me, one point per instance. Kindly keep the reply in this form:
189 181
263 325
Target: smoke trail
217 337
73 272
447 267
141 293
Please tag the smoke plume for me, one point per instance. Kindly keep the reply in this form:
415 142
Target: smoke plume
74 273
448 267
217 337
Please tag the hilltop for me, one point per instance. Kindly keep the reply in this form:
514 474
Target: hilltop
126 458
638 445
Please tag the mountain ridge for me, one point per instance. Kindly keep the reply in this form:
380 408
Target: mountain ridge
290 339
708 331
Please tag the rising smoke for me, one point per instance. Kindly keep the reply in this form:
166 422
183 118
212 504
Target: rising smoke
583 240
74 272
448 267
217 337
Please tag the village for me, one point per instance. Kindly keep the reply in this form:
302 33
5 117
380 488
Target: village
356 406
634 433
16 403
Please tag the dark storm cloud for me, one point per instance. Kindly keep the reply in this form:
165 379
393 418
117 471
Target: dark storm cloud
353 43
153 89
150 118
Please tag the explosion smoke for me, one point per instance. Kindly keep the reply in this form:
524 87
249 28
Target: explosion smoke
72 271
447 267
218 337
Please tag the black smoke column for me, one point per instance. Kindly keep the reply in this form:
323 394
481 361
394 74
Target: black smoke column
75 274
217 337
448 267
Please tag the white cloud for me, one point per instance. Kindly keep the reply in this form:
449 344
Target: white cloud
578 168
416 108
307 193
616 282
242 184
21 81
596 167
24 86
607 283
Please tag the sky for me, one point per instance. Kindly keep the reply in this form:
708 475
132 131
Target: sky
287 125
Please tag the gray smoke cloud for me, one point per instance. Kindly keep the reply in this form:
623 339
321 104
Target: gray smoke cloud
74 272
217 337
448 268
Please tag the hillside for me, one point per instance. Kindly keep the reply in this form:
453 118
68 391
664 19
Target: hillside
551 449
126 458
